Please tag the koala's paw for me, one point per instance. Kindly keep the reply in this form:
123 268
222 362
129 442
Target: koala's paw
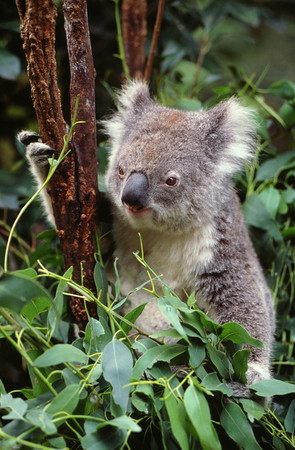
239 390
28 137
37 152
256 372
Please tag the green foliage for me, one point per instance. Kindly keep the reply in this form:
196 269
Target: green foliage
113 386
109 392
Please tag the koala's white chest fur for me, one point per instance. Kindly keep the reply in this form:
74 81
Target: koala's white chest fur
176 258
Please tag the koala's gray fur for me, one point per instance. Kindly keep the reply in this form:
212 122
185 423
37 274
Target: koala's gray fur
169 178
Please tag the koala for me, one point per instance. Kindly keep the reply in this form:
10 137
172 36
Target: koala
169 179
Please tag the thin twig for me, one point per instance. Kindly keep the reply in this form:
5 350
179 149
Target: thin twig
202 53
155 39
121 49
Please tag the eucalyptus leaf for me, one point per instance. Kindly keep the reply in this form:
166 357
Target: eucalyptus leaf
58 442
131 316
101 282
188 104
141 404
257 215
55 313
17 289
2 388
61 353
143 397
35 307
289 233
220 361
66 401
10 66
171 315
234 332
240 364
283 88
95 338
197 354
208 323
211 382
117 365
152 355
268 388
271 198
42 420
178 418
253 409
287 113
236 425
144 344
17 406
288 195
169 332
124 423
39 386
273 166
289 421
197 409
193 318
108 438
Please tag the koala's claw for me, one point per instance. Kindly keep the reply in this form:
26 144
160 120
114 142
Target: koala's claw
37 151
40 153
28 137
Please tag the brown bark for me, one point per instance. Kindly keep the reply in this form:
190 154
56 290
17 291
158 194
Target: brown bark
134 30
38 34
83 141
73 189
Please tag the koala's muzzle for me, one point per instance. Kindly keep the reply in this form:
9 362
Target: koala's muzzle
135 192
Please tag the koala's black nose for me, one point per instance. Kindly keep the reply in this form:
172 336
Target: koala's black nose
135 191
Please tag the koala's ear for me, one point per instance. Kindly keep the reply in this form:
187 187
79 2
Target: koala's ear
133 98
233 128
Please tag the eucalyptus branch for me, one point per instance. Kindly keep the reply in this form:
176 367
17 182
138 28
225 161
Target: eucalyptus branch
23 442
88 296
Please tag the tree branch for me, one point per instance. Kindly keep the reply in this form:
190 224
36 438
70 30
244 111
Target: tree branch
155 39
134 35
84 138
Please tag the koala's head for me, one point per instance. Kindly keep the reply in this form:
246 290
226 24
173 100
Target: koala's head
171 169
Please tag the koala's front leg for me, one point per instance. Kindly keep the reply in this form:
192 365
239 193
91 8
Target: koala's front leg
255 319
37 154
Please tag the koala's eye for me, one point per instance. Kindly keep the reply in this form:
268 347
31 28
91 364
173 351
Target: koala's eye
121 172
171 181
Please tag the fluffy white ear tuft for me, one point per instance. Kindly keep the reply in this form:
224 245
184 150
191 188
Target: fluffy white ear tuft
134 94
239 127
132 99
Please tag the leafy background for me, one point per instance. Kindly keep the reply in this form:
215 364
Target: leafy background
60 390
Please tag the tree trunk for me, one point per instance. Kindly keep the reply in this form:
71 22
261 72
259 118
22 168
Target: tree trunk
73 189
134 32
